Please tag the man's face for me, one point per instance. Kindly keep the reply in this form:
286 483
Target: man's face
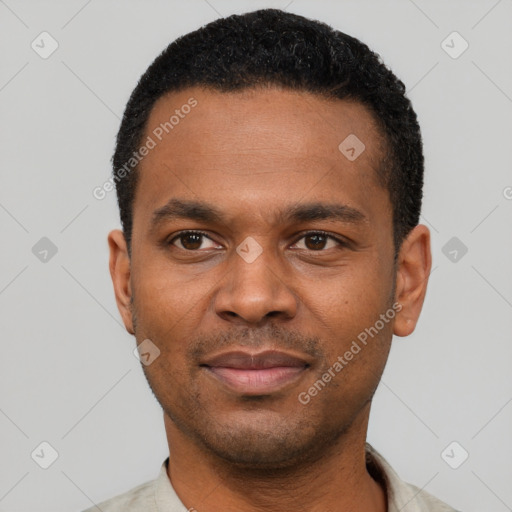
295 262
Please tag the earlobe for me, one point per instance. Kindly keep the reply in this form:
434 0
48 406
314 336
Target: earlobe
413 270
120 272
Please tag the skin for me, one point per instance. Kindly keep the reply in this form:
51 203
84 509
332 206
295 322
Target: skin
252 154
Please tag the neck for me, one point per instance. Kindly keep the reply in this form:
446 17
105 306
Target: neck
336 480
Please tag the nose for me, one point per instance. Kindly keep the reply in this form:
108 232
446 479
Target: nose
254 290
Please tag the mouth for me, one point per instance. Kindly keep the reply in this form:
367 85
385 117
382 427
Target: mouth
256 373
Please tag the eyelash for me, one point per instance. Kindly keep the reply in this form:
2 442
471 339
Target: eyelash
339 241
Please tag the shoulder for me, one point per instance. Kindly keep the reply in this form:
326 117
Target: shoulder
424 501
402 496
138 499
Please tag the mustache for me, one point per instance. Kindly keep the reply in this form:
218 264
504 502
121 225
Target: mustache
270 336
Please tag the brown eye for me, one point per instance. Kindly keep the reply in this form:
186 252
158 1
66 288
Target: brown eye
317 241
191 241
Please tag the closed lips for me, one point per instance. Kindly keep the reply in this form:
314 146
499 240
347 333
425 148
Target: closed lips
259 361
262 373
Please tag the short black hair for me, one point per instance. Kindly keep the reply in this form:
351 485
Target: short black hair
274 47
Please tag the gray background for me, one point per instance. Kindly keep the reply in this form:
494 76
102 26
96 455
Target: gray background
67 372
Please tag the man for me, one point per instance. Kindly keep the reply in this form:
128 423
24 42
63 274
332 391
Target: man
269 174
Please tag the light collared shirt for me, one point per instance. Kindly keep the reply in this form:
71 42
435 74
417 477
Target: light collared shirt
159 496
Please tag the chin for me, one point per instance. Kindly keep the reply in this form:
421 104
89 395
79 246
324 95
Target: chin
263 440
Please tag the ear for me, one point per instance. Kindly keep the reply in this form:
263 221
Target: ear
119 265
413 270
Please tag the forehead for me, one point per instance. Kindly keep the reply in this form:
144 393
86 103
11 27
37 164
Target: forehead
258 146
301 123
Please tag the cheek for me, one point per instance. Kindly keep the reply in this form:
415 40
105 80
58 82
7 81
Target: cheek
166 295
168 310
352 300
364 337
356 340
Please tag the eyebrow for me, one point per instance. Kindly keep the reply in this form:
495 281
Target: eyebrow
304 212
